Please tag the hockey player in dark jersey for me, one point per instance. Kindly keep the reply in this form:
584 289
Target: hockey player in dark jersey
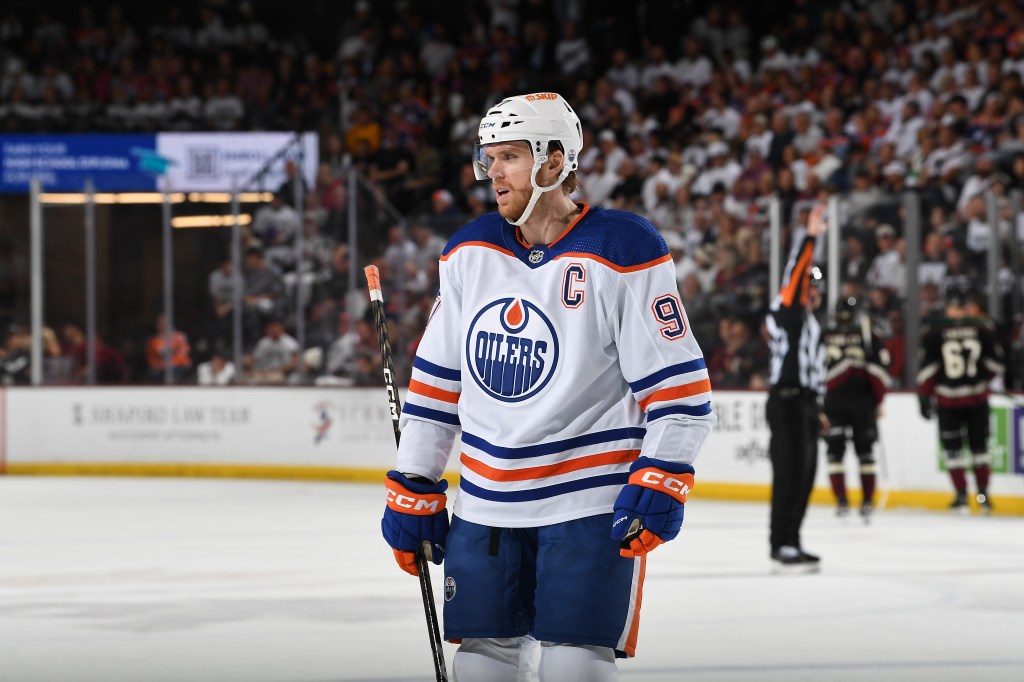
856 378
959 357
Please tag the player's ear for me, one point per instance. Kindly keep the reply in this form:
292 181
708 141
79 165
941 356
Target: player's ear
555 161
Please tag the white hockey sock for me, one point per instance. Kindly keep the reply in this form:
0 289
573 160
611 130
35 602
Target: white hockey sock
479 659
577 663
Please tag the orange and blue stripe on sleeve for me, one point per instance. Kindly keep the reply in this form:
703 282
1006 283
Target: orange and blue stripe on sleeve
798 274
434 393
682 389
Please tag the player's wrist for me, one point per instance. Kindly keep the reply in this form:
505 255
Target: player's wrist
416 483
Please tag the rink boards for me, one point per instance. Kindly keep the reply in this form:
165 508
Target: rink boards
346 434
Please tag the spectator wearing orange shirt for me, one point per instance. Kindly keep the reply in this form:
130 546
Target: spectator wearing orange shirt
157 353
364 128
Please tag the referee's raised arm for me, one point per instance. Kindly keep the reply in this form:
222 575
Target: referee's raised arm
796 279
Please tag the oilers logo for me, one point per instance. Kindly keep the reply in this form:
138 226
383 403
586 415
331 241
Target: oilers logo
511 349
449 588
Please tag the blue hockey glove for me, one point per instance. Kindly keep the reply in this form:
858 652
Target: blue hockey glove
415 514
649 510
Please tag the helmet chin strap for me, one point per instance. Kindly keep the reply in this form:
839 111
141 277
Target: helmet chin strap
537 190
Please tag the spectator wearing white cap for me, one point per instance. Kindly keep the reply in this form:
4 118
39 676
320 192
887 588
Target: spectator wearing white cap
772 58
613 153
886 271
721 168
894 177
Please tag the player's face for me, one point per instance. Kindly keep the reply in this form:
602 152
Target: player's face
510 168
813 298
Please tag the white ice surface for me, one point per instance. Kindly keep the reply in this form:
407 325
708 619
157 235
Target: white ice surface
181 580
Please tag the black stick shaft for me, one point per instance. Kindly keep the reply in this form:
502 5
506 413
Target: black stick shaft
423 566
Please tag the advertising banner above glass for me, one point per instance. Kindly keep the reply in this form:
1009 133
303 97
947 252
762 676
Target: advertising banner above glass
187 162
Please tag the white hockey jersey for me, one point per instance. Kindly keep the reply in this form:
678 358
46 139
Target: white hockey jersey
560 363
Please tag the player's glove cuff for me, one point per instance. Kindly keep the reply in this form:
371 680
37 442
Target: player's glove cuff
406 496
672 478
415 514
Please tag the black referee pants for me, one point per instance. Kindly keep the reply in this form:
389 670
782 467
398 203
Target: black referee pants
793 420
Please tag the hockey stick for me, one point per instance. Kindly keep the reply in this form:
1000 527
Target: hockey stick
429 609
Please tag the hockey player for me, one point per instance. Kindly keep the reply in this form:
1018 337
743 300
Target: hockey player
856 378
794 400
561 352
960 356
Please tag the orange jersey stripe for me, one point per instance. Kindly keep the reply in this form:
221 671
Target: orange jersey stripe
613 266
803 264
676 392
486 245
530 473
426 390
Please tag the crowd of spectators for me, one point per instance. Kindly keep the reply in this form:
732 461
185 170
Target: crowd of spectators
697 119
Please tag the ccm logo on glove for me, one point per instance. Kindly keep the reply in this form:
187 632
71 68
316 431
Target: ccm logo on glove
655 479
400 501
415 519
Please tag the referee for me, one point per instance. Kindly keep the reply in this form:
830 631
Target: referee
794 400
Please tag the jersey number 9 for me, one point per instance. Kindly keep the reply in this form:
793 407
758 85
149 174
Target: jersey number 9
669 313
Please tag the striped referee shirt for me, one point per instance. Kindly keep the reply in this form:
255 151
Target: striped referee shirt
798 355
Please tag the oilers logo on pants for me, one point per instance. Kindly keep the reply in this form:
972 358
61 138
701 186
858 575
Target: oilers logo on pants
511 349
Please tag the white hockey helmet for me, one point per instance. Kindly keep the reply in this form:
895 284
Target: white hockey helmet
537 119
